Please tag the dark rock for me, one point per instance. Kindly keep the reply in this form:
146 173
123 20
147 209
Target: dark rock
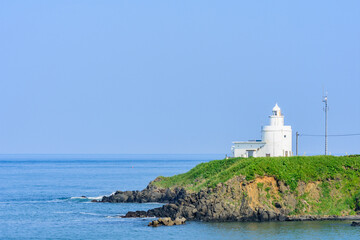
150 194
355 224
263 216
281 218
272 216
121 197
174 206
137 214
94 200
130 214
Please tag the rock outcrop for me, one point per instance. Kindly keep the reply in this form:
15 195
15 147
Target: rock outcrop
136 214
167 222
150 194
237 200
355 224
262 199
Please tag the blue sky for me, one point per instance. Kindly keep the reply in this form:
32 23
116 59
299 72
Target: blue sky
175 76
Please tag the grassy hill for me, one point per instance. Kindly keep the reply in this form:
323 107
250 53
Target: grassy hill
335 188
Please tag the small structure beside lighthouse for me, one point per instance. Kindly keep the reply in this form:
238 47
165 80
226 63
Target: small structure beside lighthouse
276 140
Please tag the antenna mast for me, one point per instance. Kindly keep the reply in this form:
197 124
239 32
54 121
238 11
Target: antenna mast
325 100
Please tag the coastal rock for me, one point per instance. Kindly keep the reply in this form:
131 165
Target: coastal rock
150 194
167 222
154 223
262 199
179 221
215 204
137 214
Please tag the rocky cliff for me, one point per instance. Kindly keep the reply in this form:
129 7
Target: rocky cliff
260 198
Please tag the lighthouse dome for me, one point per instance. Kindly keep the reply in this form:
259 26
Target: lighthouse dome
276 110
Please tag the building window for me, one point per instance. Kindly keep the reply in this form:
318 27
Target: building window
284 136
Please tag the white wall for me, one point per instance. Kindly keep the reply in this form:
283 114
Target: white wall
240 149
278 140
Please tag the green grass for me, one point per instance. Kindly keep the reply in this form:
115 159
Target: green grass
291 170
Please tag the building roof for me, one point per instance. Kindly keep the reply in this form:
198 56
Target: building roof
276 108
250 142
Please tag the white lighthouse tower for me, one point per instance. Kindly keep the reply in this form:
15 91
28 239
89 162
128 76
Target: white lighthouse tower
277 136
276 140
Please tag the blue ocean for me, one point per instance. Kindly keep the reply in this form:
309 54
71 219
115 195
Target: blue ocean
40 198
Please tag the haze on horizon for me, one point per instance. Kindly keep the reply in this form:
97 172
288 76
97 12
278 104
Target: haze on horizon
175 77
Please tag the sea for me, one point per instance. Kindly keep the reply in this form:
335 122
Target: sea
41 198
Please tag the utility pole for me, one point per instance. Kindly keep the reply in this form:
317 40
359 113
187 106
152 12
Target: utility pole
297 143
325 100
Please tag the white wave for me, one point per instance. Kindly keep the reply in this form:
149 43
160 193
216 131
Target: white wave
109 194
78 198
86 198
92 214
117 216
92 198
96 198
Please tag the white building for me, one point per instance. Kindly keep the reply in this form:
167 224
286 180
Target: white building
276 140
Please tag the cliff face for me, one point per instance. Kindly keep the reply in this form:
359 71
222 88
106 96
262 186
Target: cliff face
235 200
260 198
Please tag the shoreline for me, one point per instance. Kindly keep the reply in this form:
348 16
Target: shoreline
307 218
322 218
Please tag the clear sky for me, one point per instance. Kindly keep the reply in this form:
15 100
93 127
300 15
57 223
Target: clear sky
175 76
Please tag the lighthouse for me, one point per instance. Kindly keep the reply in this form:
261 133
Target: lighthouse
276 139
